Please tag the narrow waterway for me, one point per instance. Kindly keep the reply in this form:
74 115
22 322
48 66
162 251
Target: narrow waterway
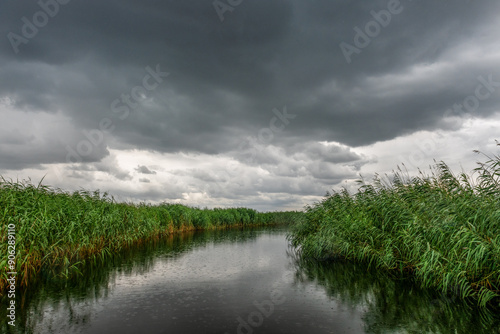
239 281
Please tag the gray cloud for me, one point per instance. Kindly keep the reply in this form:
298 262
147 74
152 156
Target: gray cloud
108 166
226 78
144 170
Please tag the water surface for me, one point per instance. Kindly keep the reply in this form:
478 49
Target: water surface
239 281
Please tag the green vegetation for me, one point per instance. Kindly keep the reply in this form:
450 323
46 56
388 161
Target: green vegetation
441 230
59 232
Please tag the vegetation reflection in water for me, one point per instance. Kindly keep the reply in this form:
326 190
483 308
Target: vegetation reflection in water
394 305
388 304
56 293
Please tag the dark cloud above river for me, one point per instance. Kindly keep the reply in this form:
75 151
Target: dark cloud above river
268 91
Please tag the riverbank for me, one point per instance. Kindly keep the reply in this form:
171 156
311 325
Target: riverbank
441 230
52 230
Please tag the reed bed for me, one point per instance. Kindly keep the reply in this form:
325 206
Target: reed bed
59 231
441 230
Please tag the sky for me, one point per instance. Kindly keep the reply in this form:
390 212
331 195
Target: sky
260 104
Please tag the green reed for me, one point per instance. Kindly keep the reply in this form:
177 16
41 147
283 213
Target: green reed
59 231
442 229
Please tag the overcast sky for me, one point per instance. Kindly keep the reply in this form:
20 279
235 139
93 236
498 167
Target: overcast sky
263 104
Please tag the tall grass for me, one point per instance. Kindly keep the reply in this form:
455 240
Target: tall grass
442 229
60 231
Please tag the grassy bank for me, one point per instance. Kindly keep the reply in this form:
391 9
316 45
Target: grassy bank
442 230
60 231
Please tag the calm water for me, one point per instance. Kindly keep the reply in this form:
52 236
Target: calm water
238 281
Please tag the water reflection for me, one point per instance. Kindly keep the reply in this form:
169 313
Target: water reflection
237 281
62 306
392 305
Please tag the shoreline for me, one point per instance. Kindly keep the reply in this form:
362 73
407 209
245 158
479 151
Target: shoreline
56 230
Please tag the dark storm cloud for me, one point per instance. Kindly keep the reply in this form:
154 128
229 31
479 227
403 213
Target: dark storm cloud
327 153
225 78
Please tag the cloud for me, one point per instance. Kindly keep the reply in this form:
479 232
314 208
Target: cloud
144 170
225 80
108 166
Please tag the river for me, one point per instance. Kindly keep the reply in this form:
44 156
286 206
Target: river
238 281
